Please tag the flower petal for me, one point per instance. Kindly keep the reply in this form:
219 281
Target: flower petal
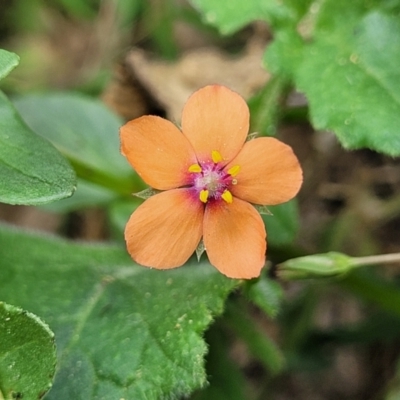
215 119
234 238
269 172
165 230
158 151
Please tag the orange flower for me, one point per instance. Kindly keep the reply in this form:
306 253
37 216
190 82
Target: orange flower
209 176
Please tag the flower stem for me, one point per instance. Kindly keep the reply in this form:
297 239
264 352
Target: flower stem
379 259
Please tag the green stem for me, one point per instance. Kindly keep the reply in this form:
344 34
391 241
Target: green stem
379 259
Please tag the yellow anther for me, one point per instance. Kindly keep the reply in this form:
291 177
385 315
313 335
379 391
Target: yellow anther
233 171
195 168
216 156
203 196
227 196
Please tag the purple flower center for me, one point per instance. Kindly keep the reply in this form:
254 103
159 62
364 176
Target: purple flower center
211 181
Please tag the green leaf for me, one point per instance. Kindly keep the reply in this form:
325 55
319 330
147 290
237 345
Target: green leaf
235 14
284 53
27 354
231 16
122 331
260 345
86 195
349 78
266 294
283 224
263 210
300 7
8 61
226 380
378 47
32 171
372 288
146 193
86 132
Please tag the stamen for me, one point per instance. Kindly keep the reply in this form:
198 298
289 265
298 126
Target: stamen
195 168
233 171
203 195
227 196
234 182
216 156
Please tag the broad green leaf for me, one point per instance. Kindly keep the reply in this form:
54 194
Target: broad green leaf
27 354
230 16
378 47
83 130
8 61
284 53
350 79
32 171
122 331
283 224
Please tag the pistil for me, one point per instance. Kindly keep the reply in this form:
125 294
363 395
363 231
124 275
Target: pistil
211 181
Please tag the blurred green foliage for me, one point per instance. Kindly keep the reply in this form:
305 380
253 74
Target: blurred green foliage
127 332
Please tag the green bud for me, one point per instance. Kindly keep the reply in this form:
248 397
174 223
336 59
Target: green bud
326 265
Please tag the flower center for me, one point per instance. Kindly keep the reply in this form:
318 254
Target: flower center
211 181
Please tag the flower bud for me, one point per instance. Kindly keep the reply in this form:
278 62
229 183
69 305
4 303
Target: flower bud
326 265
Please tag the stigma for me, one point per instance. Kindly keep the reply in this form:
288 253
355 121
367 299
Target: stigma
211 181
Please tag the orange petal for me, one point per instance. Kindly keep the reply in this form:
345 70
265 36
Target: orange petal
269 172
234 238
158 151
165 230
215 119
